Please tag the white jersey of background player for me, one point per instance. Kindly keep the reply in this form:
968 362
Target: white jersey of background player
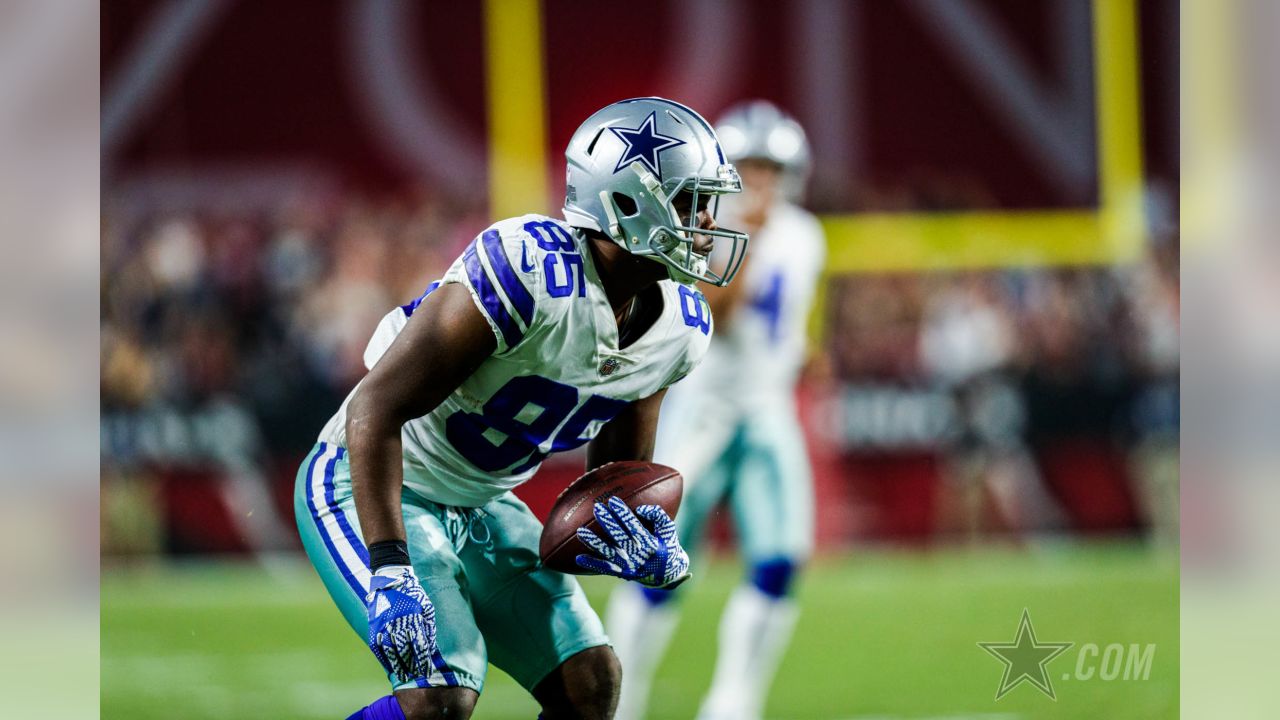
733 430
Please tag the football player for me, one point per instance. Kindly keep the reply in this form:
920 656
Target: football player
733 430
543 336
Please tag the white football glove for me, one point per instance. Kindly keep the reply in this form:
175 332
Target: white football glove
654 559
402 623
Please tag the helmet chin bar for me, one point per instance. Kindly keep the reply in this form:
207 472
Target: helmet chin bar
655 230
688 266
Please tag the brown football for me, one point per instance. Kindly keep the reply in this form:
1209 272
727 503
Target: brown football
635 483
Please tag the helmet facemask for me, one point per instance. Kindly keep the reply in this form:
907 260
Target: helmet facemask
643 220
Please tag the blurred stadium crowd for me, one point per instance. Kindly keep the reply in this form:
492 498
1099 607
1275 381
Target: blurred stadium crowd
1041 399
938 404
228 340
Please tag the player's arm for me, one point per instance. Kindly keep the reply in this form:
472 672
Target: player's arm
444 342
629 435
626 548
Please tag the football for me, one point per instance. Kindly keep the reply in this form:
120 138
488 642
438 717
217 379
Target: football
635 483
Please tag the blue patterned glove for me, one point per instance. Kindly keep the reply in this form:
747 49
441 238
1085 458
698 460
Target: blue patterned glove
402 623
654 559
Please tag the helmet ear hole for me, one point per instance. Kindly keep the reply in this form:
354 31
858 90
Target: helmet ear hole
625 204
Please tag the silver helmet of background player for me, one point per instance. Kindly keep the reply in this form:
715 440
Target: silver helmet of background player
626 165
758 130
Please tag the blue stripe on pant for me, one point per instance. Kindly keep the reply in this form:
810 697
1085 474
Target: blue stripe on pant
342 546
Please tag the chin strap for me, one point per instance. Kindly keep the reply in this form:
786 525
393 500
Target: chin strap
681 255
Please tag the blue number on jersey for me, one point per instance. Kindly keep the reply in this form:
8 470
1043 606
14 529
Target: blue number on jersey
570 261
550 236
509 410
694 308
551 402
560 250
768 302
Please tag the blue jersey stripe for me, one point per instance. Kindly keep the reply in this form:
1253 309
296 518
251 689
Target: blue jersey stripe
408 308
488 295
507 277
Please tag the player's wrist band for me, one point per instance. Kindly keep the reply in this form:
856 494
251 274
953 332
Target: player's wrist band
388 552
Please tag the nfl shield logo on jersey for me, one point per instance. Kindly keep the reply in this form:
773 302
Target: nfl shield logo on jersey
609 366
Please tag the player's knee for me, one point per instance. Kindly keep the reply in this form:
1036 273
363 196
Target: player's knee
598 680
774 577
656 597
606 678
437 703
584 686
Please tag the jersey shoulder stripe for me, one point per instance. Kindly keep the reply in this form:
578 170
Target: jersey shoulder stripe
503 267
515 290
409 307
487 295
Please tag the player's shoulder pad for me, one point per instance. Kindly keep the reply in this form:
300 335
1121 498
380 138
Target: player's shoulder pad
798 219
504 267
539 236
807 222
551 259
803 229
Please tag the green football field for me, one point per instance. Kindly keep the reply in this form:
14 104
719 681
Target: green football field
882 634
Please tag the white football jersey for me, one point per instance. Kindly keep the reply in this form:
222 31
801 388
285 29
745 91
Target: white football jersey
756 356
557 375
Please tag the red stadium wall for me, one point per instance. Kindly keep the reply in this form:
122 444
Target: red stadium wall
289 83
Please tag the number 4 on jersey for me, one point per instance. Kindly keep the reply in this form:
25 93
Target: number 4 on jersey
768 302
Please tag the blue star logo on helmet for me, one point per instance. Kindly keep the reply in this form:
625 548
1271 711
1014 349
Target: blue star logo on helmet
645 144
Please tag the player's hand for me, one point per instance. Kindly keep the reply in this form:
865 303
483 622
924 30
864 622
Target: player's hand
631 552
402 623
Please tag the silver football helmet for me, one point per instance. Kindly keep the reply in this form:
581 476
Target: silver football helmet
758 130
627 164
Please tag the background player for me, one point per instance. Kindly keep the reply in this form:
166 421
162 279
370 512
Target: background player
733 430
543 336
